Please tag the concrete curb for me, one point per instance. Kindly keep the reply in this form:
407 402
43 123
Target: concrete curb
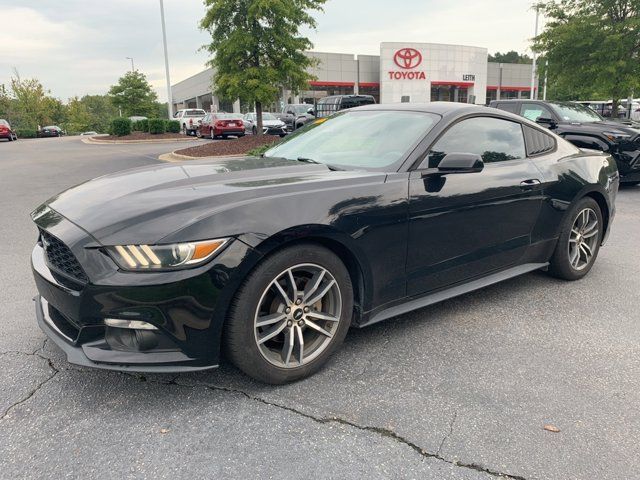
174 157
94 141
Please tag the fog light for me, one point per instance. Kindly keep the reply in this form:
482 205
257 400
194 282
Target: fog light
130 324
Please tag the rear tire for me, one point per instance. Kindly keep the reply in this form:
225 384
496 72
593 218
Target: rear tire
273 352
579 242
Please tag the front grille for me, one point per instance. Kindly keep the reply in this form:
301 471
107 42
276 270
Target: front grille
61 258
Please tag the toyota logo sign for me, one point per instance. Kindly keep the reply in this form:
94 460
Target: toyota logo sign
407 58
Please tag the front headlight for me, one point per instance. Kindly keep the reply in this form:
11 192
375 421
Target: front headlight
162 257
616 136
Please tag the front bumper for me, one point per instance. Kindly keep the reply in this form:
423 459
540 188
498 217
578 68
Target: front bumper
187 307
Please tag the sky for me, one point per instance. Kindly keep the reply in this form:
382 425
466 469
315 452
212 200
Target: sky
78 47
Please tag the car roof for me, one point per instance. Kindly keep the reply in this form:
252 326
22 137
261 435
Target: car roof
440 108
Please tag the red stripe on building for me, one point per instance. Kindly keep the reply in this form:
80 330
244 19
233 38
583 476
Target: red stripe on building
510 89
453 84
369 84
332 84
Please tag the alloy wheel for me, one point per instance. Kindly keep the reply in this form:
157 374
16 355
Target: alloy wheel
583 239
297 316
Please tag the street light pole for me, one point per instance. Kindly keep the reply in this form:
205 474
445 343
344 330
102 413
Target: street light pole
166 61
535 57
132 67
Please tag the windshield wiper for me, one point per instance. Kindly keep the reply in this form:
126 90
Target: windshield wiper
311 160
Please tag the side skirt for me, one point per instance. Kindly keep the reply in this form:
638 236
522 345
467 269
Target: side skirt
439 296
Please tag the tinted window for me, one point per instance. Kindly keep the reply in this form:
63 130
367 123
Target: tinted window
538 142
351 102
367 139
494 139
508 107
195 113
534 111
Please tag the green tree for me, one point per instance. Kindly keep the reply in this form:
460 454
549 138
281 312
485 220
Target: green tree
32 104
510 57
591 47
78 116
257 47
134 95
101 111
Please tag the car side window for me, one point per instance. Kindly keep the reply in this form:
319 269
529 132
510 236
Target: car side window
495 139
508 107
534 111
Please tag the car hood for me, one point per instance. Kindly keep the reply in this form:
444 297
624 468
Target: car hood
611 126
147 204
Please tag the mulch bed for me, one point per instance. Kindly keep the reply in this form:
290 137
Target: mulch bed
146 136
229 146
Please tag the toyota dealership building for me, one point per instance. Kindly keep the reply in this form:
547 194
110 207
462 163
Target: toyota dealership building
403 72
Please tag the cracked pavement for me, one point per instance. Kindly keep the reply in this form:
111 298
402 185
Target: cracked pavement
460 390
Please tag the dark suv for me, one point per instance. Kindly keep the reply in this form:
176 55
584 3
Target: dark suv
329 105
586 129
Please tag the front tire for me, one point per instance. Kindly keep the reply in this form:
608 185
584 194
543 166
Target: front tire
579 241
292 312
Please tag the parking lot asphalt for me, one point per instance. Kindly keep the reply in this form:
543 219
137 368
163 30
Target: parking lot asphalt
460 390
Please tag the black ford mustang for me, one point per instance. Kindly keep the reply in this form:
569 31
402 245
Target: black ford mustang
354 219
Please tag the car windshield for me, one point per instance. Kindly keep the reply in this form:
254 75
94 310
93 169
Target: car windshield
267 116
195 113
574 112
299 109
365 139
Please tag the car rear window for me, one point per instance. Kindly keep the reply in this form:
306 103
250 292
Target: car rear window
227 116
195 113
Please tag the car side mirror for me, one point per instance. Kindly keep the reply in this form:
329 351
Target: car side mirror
311 112
461 163
546 122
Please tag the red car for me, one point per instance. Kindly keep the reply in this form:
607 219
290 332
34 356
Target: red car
221 125
6 132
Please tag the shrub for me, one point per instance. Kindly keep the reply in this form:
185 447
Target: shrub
120 127
172 126
26 132
141 126
258 151
156 125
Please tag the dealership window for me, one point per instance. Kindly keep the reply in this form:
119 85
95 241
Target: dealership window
508 94
494 139
449 93
405 99
491 95
369 90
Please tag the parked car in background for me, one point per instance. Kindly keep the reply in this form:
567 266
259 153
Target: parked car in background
370 214
329 105
6 131
87 134
50 131
190 119
137 118
271 125
585 128
221 125
296 115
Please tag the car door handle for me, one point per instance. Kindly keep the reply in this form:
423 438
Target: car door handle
529 184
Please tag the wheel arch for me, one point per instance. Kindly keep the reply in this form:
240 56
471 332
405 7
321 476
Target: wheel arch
337 242
601 200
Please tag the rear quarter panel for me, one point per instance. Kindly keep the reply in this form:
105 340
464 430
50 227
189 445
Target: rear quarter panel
570 174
